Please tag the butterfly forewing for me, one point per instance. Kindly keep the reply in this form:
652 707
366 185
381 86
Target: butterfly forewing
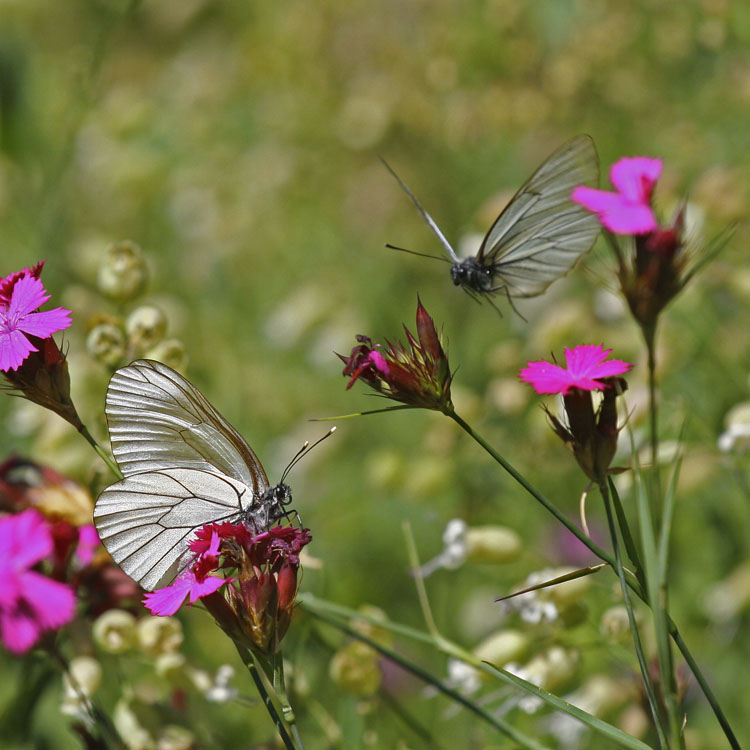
541 233
157 419
146 520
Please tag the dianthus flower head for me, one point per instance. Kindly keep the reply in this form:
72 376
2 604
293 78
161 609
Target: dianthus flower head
30 359
628 210
586 370
21 296
591 434
417 374
258 574
30 603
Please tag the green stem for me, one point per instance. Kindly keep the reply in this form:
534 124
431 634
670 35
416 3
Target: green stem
509 731
247 660
649 335
627 601
102 453
279 685
602 555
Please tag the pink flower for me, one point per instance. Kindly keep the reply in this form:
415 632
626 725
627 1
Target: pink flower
30 603
255 607
22 293
194 583
627 211
585 369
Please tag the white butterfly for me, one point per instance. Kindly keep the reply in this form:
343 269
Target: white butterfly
539 235
184 466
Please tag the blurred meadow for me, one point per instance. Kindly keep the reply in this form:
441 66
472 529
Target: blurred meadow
236 143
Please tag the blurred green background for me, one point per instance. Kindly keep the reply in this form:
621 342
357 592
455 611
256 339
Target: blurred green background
237 144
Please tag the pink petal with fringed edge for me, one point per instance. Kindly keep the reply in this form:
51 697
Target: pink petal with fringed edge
44 324
616 213
205 587
88 541
635 177
28 295
25 539
167 600
52 603
14 348
18 631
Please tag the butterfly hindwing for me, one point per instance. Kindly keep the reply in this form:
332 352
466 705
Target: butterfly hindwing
146 520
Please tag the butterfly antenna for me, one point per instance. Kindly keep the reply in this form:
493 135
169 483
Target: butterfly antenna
303 451
414 252
430 222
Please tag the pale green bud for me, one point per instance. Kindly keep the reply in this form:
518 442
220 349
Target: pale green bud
355 668
106 343
173 737
615 625
158 635
502 647
145 327
123 273
492 544
171 666
171 352
553 666
114 631
83 677
134 735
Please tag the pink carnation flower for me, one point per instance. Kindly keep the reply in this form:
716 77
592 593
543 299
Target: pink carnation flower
193 583
585 369
22 293
30 603
627 211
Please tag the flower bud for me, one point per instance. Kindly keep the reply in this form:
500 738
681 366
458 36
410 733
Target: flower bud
106 343
145 327
82 679
492 544
158 635
171 352
502 647
123 273
114 631
171 666
173 737
355 668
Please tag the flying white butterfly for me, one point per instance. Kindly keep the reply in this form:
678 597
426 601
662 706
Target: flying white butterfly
184 466
539 235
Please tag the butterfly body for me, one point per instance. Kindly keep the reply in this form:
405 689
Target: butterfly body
539 235
184 466
472 275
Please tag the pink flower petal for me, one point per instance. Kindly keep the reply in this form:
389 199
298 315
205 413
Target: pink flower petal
14 348
167 600
205 587
28 295
18 631
44 324
635 177
615 213
585 368
88 541
25 539
52 603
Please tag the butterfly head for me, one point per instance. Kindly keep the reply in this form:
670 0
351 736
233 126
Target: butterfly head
275 499
472 274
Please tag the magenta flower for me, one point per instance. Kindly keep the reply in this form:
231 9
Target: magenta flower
417 374
193 583
30 603
585 370
627 211
255 608
590 434
21 294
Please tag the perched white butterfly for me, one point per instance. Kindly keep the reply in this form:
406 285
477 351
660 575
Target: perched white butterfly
539 235
184 466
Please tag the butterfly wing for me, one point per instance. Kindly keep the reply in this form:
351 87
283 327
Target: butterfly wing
146 520
159 420
542 233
